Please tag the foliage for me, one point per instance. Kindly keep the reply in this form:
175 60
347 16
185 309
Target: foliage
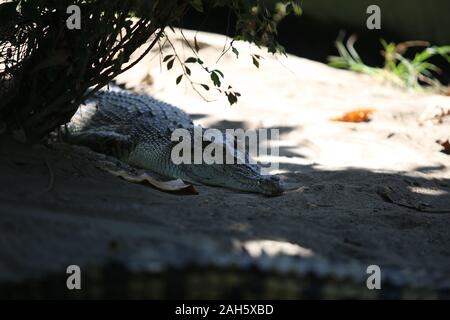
256 23
50 67
46 69
412 71
409 73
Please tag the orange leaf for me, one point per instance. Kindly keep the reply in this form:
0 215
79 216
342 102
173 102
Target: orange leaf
357 115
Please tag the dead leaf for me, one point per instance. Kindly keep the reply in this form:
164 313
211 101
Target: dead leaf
131 174
170 186
356 116
445 145
148 80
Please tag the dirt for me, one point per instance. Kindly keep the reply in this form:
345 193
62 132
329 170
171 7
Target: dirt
375 192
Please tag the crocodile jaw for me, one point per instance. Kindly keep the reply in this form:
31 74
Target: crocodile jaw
241 177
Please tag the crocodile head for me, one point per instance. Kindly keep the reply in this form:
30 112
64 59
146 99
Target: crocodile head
240 174
243 177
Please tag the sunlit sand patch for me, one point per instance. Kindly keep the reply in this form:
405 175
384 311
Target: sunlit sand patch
428 191
256 248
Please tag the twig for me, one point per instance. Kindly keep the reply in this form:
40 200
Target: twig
185 73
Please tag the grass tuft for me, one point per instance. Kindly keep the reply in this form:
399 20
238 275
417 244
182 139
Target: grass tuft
417 73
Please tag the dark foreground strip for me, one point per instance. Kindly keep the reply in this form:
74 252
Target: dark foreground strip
116 282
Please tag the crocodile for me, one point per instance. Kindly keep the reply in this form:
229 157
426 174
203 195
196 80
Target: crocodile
137 130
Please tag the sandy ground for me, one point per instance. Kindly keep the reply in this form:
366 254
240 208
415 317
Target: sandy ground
356 189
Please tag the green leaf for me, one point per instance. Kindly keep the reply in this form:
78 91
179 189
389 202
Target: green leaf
170 64
197 4
188 71
235 51
167 57
191 60
232 99
215 79
255 62
206 87
179 79
296 8
219 72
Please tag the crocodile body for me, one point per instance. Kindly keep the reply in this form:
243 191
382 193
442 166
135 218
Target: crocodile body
137 129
